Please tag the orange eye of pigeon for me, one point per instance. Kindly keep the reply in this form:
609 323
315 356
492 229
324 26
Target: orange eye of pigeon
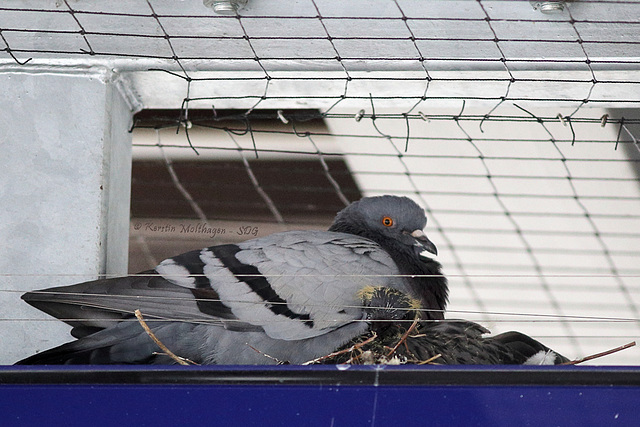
387 221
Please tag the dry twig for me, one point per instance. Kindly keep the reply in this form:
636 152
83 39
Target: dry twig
430 360
278 361
346 350
178 359
404 337
604 353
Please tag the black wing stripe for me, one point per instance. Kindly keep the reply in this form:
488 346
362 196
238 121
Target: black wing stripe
207 299
259 284
209 303
192 262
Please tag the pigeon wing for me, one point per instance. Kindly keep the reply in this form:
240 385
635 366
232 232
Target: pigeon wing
291 285
100 304
294 285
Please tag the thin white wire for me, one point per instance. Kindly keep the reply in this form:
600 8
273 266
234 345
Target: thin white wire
174 177
492 275
635 140
262 303
325 167
146 251
265 197
153 318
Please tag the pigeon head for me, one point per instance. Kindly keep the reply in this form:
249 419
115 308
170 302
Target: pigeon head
390 221
396 224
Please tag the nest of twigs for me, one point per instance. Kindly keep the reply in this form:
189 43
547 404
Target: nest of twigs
391 344
419 343
422 344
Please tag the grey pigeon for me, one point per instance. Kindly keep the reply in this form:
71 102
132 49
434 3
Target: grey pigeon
291 296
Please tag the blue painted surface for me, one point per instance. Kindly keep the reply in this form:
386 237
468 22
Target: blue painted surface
139 404
318 405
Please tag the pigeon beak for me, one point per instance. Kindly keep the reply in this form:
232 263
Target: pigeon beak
423 244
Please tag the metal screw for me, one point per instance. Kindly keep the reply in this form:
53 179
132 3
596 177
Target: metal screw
548 7
225 7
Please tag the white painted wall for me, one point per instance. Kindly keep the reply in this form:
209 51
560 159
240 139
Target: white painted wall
65 169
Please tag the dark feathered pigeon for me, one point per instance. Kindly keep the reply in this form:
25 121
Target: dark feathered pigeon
459 342
449 342
293 296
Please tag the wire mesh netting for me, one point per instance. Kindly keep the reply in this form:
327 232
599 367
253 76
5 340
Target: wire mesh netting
515 130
